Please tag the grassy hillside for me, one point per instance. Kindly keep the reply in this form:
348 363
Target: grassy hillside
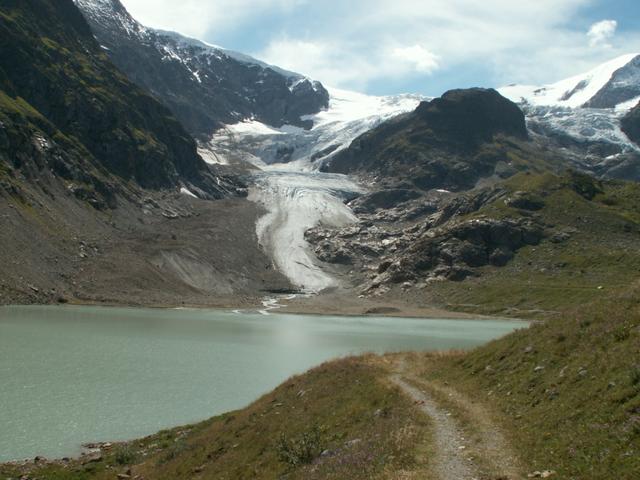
567 390
341 420
592 230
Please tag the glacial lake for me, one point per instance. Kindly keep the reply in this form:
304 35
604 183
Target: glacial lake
72 375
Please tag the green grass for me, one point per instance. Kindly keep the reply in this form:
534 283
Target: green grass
346 409
568 390
600 255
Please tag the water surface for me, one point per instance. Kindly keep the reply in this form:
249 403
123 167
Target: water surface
71 375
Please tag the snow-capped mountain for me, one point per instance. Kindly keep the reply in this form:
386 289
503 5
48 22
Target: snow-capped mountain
205 86
581 116
615 84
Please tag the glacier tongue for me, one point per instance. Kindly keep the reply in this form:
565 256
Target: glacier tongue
296 202
288 184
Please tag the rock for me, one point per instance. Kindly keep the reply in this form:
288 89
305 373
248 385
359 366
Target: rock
93 457
524 201
631 124
384 266
501 257
352 443
538 369
384 199
560 237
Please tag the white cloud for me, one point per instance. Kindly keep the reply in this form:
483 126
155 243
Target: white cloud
360 43
419 57
338 63
601 32
196 17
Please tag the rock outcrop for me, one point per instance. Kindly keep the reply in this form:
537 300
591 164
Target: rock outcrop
433 238
631 124
448 143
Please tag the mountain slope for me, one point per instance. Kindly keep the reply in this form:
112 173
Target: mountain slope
56 74
206 87
567 390
97 181
607 86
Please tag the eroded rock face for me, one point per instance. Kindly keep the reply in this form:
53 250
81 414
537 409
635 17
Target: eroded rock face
631 124
430 239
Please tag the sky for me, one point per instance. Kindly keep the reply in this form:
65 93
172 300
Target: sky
385 47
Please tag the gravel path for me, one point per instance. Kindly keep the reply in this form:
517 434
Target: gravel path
478 451
451 462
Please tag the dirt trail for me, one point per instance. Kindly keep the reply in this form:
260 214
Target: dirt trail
468 445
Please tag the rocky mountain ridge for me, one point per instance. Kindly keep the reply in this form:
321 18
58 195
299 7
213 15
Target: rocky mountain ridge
608 86
206 87
581 117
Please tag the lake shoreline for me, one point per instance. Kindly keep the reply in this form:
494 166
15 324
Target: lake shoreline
341 304
142 365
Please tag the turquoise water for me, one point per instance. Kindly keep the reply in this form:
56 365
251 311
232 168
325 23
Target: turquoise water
72 375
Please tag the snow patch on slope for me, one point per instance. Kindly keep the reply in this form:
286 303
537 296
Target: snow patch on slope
572 92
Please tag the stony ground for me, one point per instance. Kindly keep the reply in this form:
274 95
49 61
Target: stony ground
161 249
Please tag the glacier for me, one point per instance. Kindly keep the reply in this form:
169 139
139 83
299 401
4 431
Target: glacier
583 113
287 182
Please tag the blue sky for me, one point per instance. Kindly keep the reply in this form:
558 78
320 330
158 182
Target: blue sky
424 46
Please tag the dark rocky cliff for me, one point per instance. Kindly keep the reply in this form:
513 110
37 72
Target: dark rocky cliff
631 124
63 102
446 143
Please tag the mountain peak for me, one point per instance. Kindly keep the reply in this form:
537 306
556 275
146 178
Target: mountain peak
110 14
472 115
614 84
205 86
